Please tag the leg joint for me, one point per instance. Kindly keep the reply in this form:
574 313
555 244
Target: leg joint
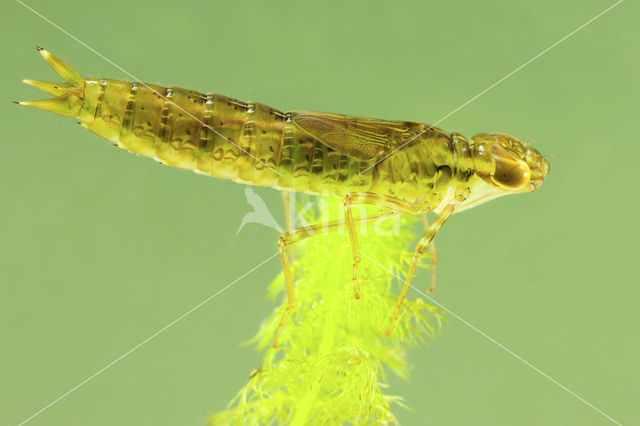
282 241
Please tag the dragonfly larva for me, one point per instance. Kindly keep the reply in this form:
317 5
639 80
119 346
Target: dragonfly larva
403 167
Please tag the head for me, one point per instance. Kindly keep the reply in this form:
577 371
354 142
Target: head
503 165
508 164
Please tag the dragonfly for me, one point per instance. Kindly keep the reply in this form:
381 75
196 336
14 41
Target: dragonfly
401 167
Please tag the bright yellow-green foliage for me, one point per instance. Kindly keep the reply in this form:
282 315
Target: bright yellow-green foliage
331 365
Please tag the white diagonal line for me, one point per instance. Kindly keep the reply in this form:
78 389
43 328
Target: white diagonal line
145 85
259 265
495 84
500 345
112 363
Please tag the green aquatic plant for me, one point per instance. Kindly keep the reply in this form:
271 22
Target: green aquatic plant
333 356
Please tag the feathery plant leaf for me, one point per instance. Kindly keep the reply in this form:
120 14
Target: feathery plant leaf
330 368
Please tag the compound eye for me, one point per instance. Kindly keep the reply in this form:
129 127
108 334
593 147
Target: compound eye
510 172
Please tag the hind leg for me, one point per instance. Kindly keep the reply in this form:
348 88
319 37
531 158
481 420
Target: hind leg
290 226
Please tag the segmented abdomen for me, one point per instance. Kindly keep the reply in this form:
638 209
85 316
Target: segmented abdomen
220 136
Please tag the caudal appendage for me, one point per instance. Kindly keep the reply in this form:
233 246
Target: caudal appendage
68 95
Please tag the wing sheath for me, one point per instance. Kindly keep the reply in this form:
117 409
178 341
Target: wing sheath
362 139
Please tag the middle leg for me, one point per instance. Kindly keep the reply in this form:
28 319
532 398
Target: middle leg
289 238
395 205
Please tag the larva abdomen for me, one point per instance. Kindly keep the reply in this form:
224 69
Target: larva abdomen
208 133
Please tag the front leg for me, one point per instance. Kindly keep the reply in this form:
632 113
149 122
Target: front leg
434 257
424 242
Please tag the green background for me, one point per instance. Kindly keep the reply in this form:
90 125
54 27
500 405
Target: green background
100 249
